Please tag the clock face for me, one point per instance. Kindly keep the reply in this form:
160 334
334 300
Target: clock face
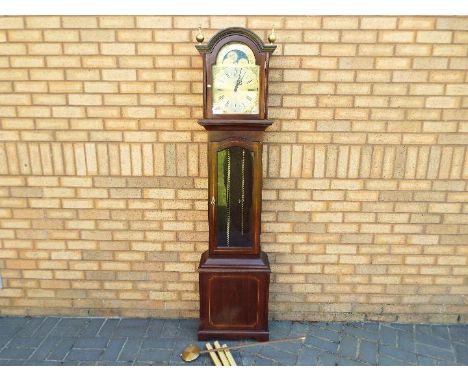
235 81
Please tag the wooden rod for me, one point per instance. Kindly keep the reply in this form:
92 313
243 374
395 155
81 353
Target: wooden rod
213 355
229 356
221 354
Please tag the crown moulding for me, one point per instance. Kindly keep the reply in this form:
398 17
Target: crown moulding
208 47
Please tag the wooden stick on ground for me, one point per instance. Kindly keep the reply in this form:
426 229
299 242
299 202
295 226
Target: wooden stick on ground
229 356
213 355
221 354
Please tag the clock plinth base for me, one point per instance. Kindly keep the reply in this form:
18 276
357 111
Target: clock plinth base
234 297
207 334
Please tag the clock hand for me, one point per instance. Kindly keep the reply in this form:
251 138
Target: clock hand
239 81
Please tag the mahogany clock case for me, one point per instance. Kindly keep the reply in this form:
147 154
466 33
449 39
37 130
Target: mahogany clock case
234 274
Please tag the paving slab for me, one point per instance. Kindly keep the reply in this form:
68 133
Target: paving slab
100 341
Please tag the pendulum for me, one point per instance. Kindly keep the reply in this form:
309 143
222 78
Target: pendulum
228 198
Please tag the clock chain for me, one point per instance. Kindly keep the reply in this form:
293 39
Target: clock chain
228 198
243 195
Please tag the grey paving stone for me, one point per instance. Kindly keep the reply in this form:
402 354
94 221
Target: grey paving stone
73 321
436 352
324 333
299 328
4 340
388 336
155 328
13 321
461 353
159 343
277 355
405 342
136 322
349 362
441 331
337 326
131 328
16 353
9 330
107 329
113 363
368 352
155 356
11 362
91 343
42 363
423 330
432 340
308 357
113 349
348 346
32 325
459 333
280 328
322 344
399 354
260 361
327 359
361 333
130 350
47 345
61 349
70 328
170 329
46 326
89 355
25 342
70 363
92 327
389 361
404 327
292 347
426 361
188 325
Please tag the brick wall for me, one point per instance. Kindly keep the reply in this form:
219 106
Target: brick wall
103 172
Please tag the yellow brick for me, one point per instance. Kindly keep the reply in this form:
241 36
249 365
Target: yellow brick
118 48
79 22
338 49
396 36
24 35
410 22
119 74
10 22
368 22
154 49
172 36
95 35
340 22
154 22
434 37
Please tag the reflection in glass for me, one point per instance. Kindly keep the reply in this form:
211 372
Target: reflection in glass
234 199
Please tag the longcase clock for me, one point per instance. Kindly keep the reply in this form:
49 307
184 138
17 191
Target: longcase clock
234 273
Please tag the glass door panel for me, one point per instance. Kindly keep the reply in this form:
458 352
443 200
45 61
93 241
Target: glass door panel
234 167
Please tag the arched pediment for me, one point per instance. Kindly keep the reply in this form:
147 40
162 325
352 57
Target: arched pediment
235 31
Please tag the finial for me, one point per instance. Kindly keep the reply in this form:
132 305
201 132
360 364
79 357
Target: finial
200 36
272 36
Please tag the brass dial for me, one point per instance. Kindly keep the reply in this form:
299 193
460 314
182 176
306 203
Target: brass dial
235 81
